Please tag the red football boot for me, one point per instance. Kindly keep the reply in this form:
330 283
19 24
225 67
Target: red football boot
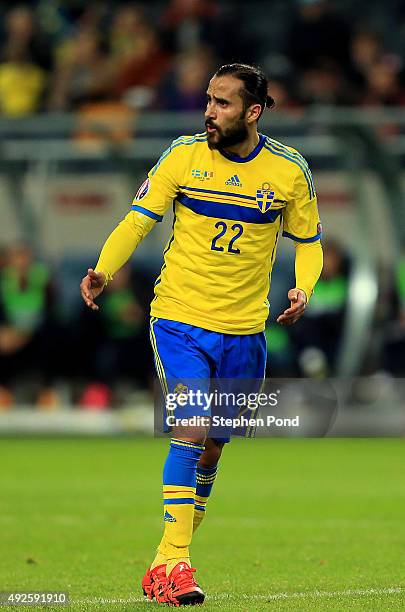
154 584
182 589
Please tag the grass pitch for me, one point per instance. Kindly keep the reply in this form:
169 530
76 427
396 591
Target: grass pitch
292 524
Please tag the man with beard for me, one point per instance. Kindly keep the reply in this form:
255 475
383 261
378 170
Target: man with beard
232 188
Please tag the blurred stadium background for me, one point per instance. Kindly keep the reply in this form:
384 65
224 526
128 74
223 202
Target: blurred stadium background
91 93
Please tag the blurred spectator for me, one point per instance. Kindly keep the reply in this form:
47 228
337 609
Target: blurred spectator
318 37
324 85
3 258
6 398
22 84
130 34
118 337
189 24
185 87
25 319
321 327
383 85
81 74
21 33
137 60
186 24
366 50
280 91
281 354
394 347
23 62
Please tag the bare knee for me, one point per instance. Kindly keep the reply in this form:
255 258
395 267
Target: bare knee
197 435
211 454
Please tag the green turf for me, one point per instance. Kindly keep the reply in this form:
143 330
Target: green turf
286 516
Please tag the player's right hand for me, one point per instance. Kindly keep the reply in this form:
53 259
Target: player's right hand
91 287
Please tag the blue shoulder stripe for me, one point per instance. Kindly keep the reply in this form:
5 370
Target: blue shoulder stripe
294 161
280 146
283 151
182 140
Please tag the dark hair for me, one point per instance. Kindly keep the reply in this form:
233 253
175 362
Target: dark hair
254 84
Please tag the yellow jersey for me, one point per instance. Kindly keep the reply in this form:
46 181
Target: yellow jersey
228 215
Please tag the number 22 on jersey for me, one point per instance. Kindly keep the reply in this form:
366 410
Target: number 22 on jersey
232 233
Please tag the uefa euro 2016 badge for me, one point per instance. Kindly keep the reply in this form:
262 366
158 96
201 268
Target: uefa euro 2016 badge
143 190
264 197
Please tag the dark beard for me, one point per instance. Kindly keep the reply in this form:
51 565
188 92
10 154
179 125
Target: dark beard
230 137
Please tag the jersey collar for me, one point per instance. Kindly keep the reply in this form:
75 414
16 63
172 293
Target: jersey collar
241 160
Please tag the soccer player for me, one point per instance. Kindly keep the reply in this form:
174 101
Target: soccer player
234 190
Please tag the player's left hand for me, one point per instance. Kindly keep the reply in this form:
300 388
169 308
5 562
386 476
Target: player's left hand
298 301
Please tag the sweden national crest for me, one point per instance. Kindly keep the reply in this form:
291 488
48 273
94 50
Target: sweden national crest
264 198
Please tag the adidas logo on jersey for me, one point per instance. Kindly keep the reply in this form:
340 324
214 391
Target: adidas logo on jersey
169 518
234 181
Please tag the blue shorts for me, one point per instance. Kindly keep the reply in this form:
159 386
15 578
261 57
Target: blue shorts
191 358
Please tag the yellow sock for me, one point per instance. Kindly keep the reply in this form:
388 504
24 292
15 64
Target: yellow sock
205 479
199 511
179 485
160 559
178 520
